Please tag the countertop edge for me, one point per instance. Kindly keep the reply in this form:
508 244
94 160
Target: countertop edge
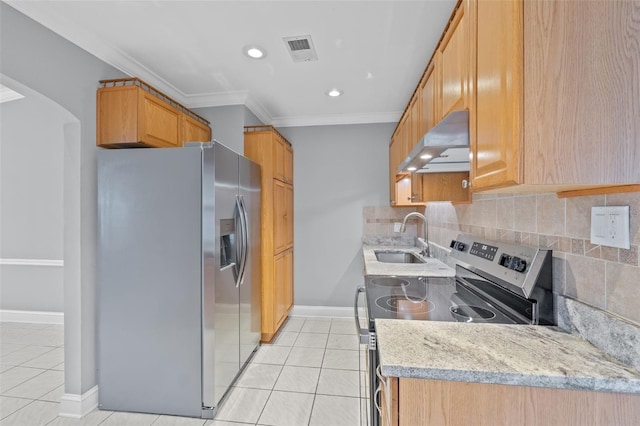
514 379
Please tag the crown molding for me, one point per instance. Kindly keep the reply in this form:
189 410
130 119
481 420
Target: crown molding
86 40
216 99
256 107
337 119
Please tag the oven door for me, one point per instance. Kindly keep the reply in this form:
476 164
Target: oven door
367 338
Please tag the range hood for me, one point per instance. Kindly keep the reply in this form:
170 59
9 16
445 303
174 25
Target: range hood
445 148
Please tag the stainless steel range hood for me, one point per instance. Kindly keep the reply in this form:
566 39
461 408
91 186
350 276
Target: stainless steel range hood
445 148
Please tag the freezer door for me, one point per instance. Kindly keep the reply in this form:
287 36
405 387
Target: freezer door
250 303
221 295
149 280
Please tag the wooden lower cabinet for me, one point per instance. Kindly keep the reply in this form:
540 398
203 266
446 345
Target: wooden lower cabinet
283 300
439 402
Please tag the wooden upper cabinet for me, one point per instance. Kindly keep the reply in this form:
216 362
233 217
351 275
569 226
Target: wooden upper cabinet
404 136
130 115
283 160
454 63
428 91
288 163
443 187
194 130
496 130
548 113
581 88
415 122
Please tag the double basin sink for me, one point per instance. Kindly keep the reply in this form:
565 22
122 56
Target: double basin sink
396 256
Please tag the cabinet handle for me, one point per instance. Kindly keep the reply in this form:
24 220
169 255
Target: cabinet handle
466 184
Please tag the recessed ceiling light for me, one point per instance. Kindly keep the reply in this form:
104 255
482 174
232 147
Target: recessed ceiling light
426 156
411 169
254 52
334 93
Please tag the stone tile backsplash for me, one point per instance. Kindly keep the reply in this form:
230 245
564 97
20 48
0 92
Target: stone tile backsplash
379 223
603 277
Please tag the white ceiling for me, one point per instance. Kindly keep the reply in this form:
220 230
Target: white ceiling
375 51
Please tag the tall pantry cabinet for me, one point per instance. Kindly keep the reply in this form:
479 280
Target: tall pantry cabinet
267 147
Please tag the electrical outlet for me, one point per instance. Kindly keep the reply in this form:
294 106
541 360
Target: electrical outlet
610 226
396 226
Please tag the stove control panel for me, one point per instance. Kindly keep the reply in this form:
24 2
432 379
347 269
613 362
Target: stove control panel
518 268
512 262
484 251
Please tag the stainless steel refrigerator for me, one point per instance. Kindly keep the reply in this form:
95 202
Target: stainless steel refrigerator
178 276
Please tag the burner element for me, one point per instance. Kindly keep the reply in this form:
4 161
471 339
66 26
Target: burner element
468 313
389 282
406 307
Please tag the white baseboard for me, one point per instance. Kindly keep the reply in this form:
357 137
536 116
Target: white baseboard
39 317
78 406
323 311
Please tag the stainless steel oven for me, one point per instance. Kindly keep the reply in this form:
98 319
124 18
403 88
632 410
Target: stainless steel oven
495 282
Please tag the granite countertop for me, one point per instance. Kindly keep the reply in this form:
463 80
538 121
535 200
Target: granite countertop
431 268
525 355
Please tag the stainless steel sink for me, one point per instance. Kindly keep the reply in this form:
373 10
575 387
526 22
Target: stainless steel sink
391 256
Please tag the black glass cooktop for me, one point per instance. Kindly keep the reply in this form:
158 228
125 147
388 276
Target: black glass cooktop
432 299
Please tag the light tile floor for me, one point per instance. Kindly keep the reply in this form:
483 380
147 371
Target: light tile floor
312 374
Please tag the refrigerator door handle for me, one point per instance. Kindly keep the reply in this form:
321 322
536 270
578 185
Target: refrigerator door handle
245 239
239 243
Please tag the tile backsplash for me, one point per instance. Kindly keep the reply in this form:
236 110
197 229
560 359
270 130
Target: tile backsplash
604 277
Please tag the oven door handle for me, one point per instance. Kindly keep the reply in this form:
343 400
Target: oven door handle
363 333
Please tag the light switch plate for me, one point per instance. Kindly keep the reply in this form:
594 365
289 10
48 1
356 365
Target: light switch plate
610 226
396 226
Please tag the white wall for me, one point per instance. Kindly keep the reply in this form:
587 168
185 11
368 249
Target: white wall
227 124
337 171
69 76
31 202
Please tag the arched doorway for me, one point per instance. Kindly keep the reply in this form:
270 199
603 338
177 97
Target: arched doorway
40 220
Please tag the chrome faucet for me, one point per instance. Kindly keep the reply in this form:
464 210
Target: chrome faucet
425 232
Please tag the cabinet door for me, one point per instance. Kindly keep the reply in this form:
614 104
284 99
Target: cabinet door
496 122
194 131
404 136
582 87
283 280
279 216
288 163
430 113
389 409
288 280
403 191
444 187
393 166
288 217
159 124
454 63
413 123
278 157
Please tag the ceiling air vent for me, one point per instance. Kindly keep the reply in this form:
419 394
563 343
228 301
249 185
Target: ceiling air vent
301 48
